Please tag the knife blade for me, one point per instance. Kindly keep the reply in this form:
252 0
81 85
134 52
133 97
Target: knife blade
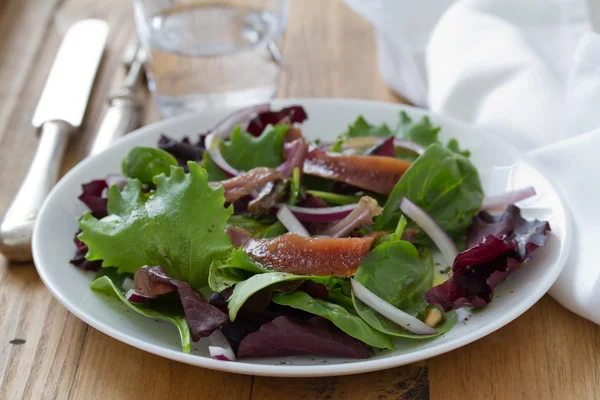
59 113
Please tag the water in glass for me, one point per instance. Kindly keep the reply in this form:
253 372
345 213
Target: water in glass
211 56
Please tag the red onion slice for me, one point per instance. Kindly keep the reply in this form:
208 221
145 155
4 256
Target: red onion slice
322 214
504 200
138 298
392 313
213 146
220 348
291 223
224 127
431 228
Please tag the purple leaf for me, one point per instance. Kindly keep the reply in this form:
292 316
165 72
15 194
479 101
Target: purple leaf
260 300
295 114
79 259
202 317
92 196
316 290
183 150
283 337
502 244
383 148
310 201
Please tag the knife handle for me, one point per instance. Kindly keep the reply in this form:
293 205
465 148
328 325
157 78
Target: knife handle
17 225
122 116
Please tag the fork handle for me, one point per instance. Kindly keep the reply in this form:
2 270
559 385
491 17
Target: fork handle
122 116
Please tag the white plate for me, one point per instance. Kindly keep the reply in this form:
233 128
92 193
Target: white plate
501 167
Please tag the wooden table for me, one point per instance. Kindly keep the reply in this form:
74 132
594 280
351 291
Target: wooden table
546 353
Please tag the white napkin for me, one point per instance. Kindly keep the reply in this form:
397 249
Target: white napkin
529 70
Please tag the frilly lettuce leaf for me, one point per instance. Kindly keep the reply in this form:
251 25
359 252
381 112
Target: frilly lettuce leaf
180 227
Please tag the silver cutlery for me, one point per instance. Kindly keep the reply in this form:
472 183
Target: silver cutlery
58 115
125 108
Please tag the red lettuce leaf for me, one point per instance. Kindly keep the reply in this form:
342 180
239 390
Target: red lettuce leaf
202 317
79 259
383 148
284 337
248 321
310 201
314 289
502 244
183 150
295 114
94 197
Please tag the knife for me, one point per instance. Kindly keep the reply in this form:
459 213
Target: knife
59 113
125 107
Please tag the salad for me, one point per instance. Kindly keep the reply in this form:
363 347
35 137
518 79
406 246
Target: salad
272 245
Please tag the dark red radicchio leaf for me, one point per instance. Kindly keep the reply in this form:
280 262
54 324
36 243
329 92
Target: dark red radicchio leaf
284 337
95 198
260 300
310 201
295 114
383 148
183 150
502 244
314 289
202 317
79 259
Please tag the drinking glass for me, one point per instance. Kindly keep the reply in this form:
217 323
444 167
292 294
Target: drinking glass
207 54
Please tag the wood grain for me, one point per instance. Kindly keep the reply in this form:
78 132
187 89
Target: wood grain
548 353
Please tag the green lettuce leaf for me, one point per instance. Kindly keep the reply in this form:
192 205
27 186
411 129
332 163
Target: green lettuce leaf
444 184
220 278
215 174
261 227
348 322
361 127
271 280
245 151
422 132
384 325
180 226
144 163
106 286
395 272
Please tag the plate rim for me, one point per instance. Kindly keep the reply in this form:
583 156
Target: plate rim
363 366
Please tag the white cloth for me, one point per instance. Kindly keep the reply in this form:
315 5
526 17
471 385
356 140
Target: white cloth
529 70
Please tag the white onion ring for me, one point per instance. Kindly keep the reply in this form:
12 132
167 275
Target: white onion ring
392 313
431 228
